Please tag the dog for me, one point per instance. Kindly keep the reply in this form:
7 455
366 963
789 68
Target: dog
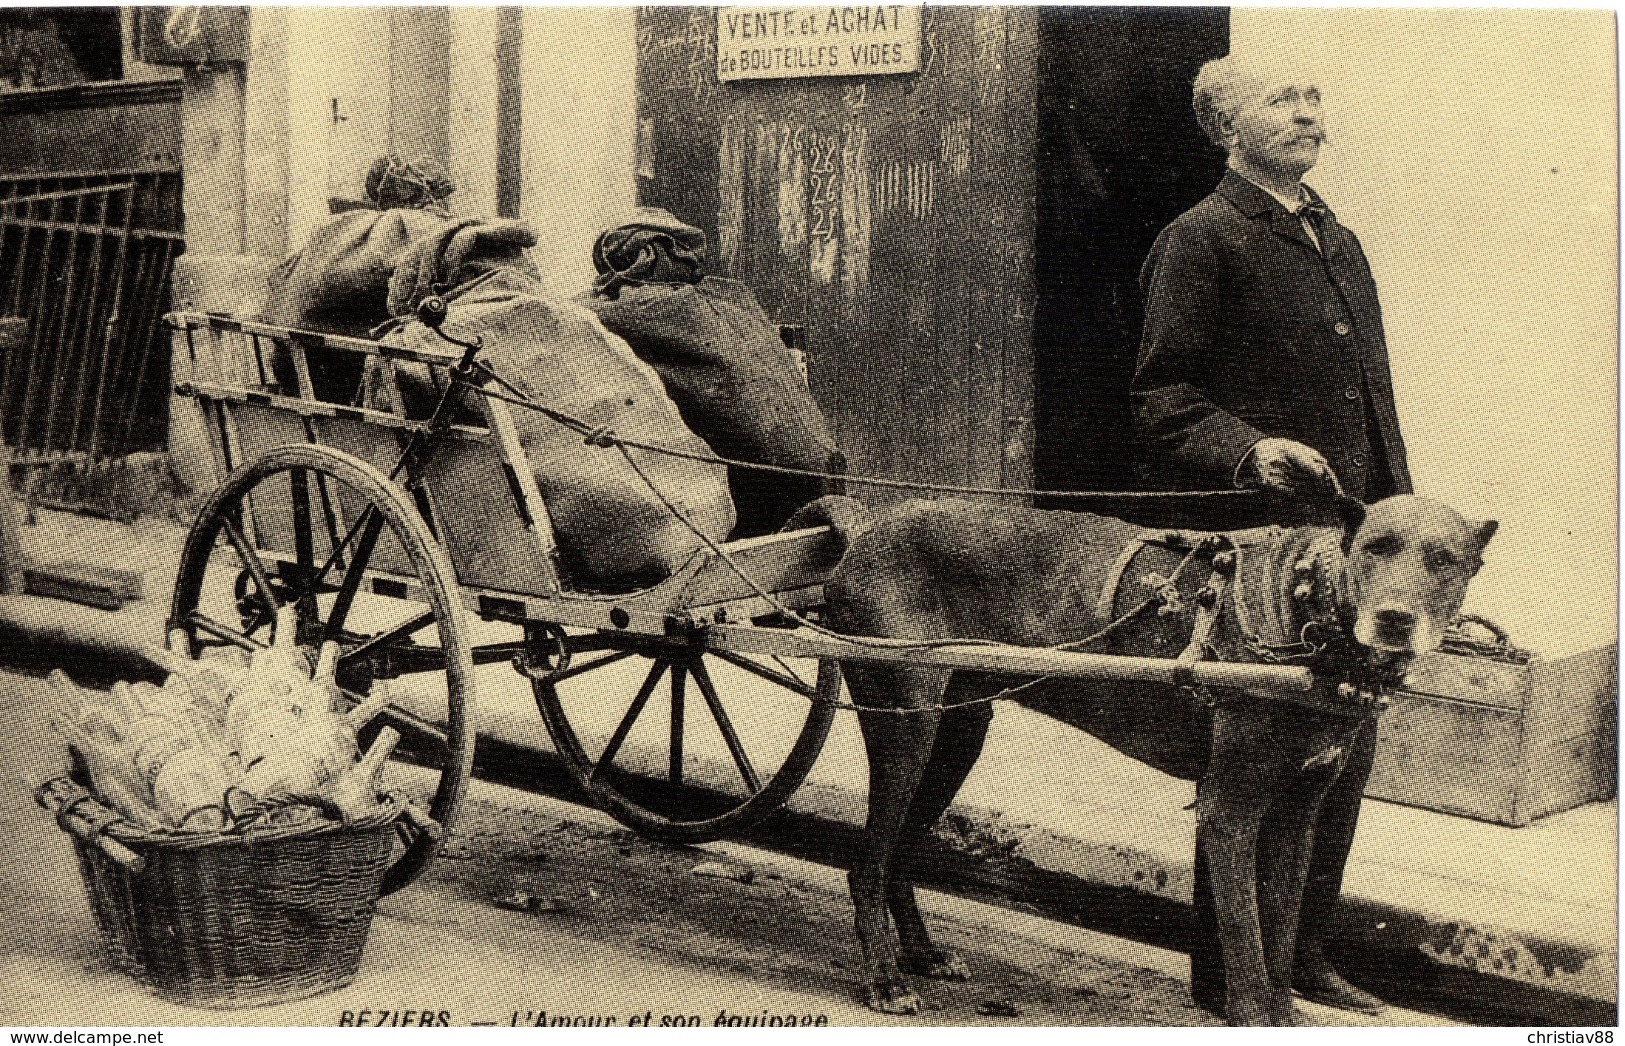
1381 588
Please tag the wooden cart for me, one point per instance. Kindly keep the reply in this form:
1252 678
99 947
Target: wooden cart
348 512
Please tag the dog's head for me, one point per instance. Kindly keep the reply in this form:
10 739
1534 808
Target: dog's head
1408 561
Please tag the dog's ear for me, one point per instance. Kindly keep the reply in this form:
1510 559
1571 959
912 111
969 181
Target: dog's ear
1352 512
1484 531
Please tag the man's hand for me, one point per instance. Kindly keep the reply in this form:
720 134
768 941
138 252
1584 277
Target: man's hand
1287 467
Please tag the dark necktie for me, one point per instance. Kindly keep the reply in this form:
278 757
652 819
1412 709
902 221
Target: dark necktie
1320 218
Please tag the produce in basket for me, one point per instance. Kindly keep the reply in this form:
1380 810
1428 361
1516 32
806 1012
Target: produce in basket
219 745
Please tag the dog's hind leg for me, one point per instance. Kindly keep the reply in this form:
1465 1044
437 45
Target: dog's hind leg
899 747
960 736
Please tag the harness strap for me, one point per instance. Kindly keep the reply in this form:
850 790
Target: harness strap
1209 607
1107 604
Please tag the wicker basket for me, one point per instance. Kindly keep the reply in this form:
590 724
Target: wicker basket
224 920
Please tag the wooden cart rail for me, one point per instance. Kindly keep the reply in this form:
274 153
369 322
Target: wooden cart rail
660 612
222 324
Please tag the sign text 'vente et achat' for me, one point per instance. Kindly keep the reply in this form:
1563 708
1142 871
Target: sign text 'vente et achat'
766 43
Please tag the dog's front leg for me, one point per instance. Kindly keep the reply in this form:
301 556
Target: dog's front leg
1285 842
1232 800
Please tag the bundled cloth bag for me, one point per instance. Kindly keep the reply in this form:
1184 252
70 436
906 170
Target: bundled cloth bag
338 283
462 251
613 531
721 358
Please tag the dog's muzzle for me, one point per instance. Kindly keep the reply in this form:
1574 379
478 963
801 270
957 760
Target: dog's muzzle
1395 630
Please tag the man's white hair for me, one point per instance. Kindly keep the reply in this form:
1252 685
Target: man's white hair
1222 84
1217 91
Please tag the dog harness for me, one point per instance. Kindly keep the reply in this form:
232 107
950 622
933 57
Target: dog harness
1307 628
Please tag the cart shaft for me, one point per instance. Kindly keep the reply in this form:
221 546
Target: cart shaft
1292 684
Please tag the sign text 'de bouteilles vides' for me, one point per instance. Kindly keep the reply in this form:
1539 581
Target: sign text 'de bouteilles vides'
770 43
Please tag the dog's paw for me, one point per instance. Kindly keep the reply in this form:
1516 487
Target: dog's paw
1287 1015
938 965
891 995
1248 1017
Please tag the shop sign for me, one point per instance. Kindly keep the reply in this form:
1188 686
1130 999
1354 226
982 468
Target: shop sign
776 43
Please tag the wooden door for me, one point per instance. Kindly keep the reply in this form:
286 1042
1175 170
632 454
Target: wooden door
891 215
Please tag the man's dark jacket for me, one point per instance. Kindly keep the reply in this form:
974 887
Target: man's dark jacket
1251 332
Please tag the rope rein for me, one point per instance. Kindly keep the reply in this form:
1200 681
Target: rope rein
603 436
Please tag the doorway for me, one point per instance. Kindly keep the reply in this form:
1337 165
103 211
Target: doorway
1119 157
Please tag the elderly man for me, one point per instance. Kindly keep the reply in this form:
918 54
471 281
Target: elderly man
1263 365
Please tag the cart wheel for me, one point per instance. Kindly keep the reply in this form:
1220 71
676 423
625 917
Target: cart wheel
303 502
694 776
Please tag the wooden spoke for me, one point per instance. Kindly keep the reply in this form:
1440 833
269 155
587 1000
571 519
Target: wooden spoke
315 582
330 517
679 679
304 542
384 639
702 676
251 561
656 670
204 623
352 577
789 682
583 669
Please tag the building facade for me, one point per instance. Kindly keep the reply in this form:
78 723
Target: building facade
957 226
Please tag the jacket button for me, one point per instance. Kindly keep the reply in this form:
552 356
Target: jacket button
1342 328
1351 394
1359 460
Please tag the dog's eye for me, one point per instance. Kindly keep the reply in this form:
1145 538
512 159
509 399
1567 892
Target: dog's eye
1440 559
1383 545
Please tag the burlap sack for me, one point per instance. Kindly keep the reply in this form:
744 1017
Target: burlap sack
736 384
456 254
339 284
612 529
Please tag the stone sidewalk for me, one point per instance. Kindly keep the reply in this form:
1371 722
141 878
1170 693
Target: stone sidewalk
1505 924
